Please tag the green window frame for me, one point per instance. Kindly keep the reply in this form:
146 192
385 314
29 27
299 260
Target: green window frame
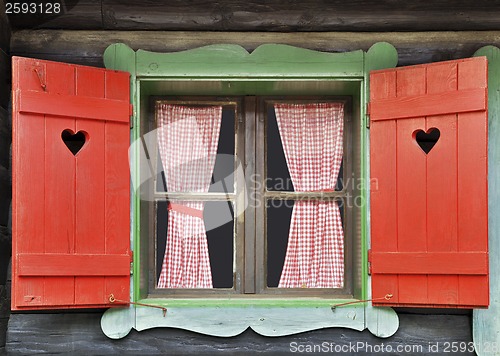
229 70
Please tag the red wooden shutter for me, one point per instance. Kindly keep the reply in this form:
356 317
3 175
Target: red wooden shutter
71 212
429 212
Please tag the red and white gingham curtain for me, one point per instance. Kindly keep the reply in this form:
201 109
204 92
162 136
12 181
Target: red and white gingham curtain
312 138
187 140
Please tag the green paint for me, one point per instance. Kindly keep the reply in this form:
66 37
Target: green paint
486 322
135 214
231 70
242 302
225 321
233 61
121 57
380 56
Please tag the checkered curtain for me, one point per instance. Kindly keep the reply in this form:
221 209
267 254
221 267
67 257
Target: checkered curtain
312 138
187 140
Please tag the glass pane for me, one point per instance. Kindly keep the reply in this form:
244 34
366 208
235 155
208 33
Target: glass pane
222 180
279 213
278 175
188 256
278 219
223 176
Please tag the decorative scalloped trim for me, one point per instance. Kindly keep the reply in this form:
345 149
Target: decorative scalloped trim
226 321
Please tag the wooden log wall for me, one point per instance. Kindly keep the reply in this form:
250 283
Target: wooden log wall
87 47
5 174
268 15
5 35
79 333
80 34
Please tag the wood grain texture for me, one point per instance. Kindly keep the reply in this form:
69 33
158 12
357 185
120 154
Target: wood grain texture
441 197
5 140
486 323
81 14
233 61
85 107
5 195
5 252
5 137
275 15
226 321
79 333
467 263
5 74
5 248
430 104
4 314
57 215
5 30
90 264
87 47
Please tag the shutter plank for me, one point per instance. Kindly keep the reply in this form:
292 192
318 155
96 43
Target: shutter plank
410 186
117 189
440 258
27 237
61 231
59 187
50 265
442 185
418 263
86 107
429 104
472 182
383 188
90 163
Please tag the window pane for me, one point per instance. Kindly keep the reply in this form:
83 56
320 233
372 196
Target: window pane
219 221
278 219
189 256
222 180
223 176
278 175
279 213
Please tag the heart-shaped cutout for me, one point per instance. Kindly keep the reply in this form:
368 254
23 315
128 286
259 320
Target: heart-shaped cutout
74 141
427 140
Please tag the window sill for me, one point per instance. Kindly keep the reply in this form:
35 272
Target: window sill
248 301
229 317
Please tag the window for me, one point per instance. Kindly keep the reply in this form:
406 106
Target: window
227 212
97 230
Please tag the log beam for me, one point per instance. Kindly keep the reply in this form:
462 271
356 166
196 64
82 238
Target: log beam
87 47
4 28
79 333
272 15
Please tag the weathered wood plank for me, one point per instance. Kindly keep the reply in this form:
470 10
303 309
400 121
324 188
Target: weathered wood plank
486 322
274 15
5 73
5 140
80 333
87 47
4 298
4 28
5 195
81 14
5 252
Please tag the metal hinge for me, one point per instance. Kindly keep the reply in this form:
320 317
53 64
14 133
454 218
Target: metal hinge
369 262
131 116
368 111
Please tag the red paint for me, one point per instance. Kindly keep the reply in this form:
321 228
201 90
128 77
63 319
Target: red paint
71 228
429 212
